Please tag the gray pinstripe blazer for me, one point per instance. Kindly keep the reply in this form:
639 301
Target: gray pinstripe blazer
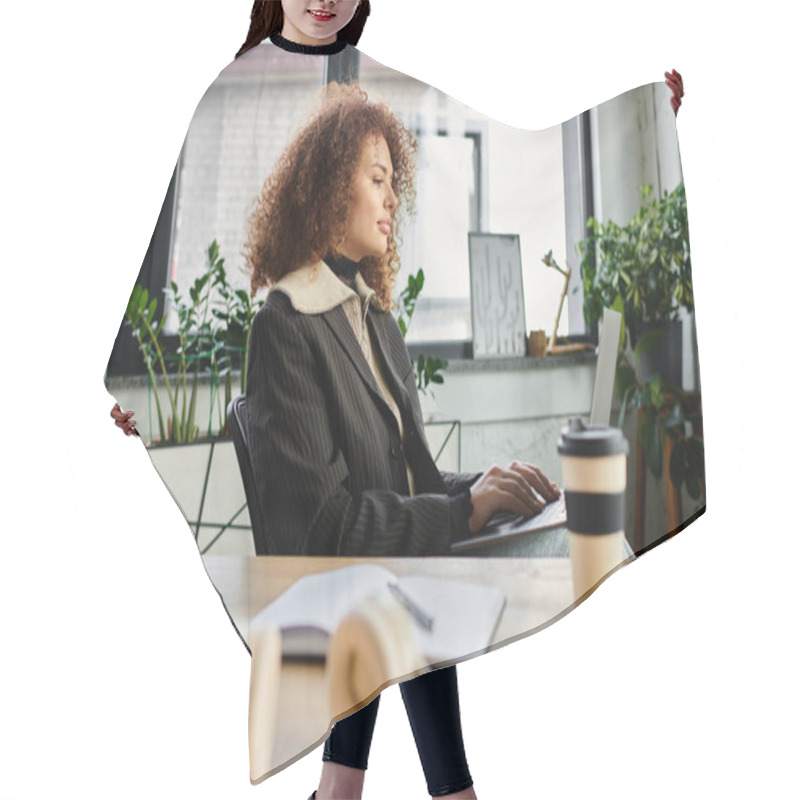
326 449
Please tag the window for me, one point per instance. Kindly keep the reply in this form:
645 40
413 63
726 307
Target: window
239 129
474 174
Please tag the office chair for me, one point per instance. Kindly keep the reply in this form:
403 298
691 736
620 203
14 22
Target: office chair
237 425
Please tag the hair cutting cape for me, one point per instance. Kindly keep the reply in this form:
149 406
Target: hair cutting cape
345 574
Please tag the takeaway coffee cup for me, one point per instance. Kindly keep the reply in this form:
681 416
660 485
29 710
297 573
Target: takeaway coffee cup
593 468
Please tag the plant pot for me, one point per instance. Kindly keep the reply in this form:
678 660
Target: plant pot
665 357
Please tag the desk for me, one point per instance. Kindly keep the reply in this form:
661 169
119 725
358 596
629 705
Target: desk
538 592
552 543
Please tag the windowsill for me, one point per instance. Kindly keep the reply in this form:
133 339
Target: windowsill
455 365
516 363
117 382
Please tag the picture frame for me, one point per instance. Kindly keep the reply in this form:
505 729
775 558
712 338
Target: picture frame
498 303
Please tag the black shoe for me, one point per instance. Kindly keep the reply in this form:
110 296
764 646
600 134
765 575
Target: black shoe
314 794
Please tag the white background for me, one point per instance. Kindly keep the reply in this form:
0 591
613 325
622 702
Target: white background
120 674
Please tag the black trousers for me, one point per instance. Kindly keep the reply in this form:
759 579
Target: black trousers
431 702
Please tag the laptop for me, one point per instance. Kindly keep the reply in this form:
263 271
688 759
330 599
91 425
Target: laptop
506 525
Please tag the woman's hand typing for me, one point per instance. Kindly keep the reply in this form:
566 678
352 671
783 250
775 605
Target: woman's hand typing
520 488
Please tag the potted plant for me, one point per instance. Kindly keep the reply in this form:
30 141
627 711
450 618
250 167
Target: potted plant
644 270
213 328
234 311
179 425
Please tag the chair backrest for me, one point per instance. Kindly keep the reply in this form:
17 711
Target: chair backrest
237 425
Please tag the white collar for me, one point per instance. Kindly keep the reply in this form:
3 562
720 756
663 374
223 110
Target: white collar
315 289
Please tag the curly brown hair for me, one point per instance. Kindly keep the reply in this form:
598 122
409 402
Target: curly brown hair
305 205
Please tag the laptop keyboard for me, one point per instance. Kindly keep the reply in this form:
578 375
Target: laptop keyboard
552 514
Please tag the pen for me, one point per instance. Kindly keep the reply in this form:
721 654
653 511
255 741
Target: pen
419 615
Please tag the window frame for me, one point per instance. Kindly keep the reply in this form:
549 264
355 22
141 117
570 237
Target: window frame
578 164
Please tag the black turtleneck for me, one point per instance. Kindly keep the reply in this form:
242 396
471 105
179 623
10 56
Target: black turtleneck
342 266
308 49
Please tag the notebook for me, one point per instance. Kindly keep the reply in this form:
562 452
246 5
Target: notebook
505 525
450 618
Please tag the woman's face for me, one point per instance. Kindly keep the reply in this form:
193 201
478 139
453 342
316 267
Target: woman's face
374 203
315 22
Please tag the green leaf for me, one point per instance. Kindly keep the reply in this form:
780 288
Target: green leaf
190 426
647 340
619 306
655 388
626 380
133 303
675 417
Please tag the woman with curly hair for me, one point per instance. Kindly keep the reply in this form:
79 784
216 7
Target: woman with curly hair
336 434
304 211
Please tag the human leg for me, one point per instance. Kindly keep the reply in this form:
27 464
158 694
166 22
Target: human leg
432 705
338 782
346 753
